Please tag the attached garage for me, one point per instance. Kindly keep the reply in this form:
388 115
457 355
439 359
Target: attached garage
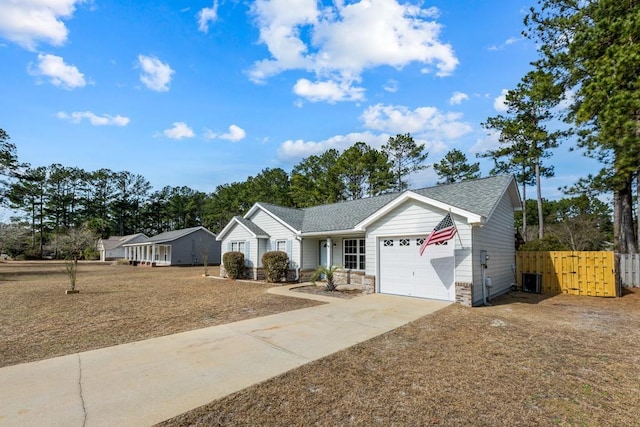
403 271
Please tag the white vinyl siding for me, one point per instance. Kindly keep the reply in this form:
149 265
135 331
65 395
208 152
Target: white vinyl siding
416 219
278 232
237 235
497 238
310 253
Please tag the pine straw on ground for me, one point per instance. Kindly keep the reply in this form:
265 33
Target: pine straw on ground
526 361
117 304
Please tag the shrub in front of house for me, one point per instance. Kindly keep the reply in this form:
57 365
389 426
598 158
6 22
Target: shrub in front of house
233 264
275 264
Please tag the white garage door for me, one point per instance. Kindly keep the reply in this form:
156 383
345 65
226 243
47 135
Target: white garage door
403 271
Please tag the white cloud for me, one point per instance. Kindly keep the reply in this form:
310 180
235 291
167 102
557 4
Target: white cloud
156 75
568 100
28 22
296 150
94 119
59 73
236 133
500 103
458 97
206 15
490 141
180 130
329 91
391 86
508 42
338 43
423 120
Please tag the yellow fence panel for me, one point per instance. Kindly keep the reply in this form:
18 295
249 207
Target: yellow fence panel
566 272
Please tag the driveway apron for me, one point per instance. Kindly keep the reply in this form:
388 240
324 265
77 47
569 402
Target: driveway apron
145 382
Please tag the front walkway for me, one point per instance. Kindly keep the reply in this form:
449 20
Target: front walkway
145 382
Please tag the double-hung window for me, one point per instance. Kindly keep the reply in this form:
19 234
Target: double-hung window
354 254
281 245
237 246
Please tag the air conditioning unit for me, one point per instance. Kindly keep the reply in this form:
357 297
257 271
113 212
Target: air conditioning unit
532 282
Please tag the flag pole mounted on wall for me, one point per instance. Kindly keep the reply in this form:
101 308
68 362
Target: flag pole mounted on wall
445 230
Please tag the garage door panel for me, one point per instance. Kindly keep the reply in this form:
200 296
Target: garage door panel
403 271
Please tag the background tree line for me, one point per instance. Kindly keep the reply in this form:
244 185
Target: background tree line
54 199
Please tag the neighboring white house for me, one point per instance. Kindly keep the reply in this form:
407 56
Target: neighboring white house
112 249
377 240
188 246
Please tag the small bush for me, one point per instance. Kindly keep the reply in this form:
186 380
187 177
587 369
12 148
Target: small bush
91 254
234 264
275 264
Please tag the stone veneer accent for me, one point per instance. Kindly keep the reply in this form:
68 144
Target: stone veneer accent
357 278
464 293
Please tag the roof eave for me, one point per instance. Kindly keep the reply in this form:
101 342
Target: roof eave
231 224
349 231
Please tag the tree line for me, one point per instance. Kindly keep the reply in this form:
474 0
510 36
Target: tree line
54 199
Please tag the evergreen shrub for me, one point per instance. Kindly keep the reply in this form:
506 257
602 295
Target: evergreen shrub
275 264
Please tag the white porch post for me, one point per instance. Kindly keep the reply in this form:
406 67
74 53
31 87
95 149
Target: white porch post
153 253
329 252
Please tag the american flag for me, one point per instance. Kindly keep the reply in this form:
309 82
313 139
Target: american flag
442 232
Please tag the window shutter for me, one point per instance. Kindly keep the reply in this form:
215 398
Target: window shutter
247 252
229 246
273 245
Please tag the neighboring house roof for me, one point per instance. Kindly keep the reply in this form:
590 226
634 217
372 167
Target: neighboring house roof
169 236
114 242
474 199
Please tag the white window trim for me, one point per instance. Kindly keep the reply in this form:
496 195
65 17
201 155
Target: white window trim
283 243
237 244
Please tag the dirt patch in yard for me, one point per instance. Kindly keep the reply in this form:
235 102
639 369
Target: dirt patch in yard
321 290
117 304
525 361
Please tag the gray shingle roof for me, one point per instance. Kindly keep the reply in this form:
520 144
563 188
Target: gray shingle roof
477 196
116 241
169 236
250 226
292 216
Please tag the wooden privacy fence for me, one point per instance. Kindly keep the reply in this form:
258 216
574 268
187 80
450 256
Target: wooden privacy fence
567 272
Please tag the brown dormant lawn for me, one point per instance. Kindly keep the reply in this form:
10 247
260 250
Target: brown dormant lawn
116 304
526 361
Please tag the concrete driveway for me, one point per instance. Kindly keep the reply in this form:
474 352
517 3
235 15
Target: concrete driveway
145 382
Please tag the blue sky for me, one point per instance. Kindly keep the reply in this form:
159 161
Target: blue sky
203 93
